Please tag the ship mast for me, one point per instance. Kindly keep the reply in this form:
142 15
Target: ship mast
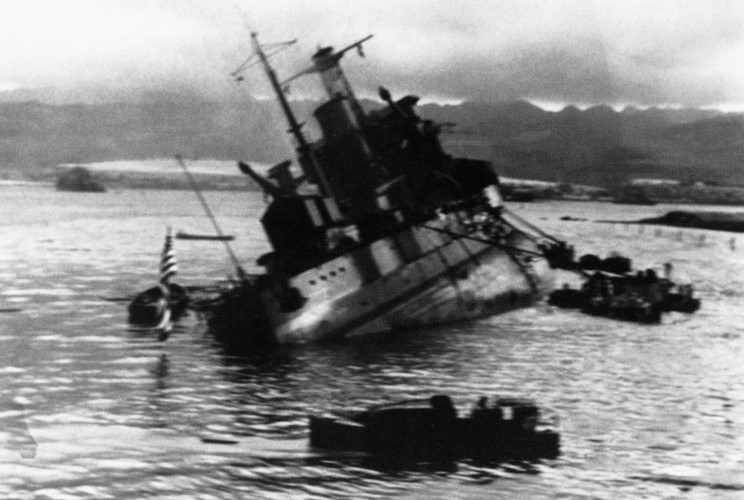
306 158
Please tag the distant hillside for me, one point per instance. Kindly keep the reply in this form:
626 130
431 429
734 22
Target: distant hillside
596 146
599 145
35 137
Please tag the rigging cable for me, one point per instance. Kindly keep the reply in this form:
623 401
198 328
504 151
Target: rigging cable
481 240
195 188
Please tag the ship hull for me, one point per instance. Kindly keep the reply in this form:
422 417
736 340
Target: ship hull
419 277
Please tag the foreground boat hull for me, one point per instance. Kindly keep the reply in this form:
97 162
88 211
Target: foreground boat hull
465 439
512 428
419 277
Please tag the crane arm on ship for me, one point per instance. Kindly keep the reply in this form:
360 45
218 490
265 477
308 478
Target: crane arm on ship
265 184
487 241
356 45
558 253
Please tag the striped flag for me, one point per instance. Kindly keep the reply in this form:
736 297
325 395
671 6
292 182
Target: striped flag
168 266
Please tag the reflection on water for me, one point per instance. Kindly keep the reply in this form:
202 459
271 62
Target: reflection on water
646 411
14 431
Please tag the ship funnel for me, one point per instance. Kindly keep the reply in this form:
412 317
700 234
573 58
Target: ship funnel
333 78
326 63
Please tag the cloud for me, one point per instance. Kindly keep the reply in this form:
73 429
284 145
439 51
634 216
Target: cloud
583 51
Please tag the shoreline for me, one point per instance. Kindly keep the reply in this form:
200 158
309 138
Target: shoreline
713 221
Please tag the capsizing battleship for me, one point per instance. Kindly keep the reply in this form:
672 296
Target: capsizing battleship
381 231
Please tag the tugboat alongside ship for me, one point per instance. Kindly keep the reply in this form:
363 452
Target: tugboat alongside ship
382 231
612 289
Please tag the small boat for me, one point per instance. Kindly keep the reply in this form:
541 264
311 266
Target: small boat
180 235
641 296
165 301
510 428
147 307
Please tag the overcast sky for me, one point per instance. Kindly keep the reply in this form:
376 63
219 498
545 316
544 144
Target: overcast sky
682 52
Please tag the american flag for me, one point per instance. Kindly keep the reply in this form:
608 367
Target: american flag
168 266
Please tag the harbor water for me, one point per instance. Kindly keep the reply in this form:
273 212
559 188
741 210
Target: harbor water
91 408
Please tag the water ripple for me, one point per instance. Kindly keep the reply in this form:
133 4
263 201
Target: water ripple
645 411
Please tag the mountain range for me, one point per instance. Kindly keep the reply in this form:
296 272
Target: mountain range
598 145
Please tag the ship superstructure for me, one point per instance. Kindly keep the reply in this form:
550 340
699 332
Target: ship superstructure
382 231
